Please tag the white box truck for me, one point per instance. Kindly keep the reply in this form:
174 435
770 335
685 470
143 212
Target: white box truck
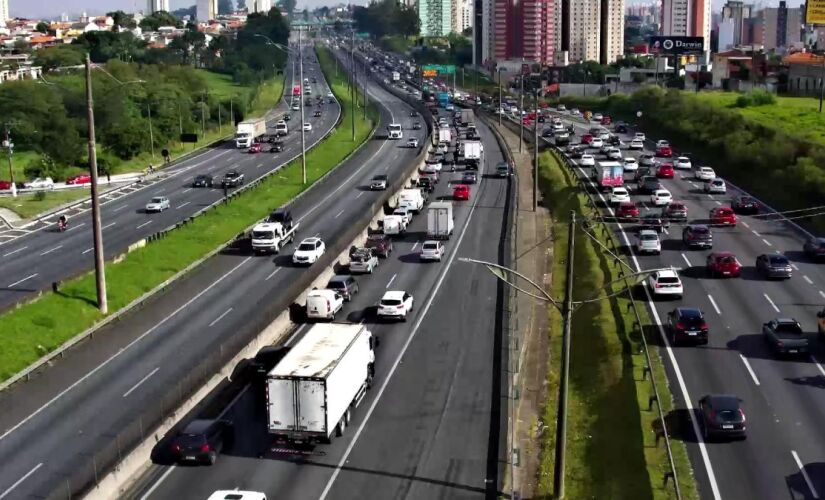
440 220
248 131
396 76
311 392
467 117
473 154
444 135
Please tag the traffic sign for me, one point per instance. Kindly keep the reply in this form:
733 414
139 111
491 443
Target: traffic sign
444 69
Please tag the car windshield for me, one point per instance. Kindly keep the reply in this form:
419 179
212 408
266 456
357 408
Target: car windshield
306 247
778 260
390 302
380 178
336 285
668 279
262 235
700 230
430 246
788 329
649 237
157 200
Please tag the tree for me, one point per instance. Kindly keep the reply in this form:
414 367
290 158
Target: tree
288 6
59 56
322 12
42 27
122 20
306 15
226 6
160 18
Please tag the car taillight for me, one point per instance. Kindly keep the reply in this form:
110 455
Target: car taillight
657 285
680 326
205 448
176 448
704 326
742 414
329 306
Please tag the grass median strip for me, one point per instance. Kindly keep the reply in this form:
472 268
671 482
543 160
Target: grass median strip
612 451
39 327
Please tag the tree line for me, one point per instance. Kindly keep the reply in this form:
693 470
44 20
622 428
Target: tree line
386 17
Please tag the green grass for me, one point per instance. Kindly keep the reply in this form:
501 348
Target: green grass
36 328
611 446
222 86
29 205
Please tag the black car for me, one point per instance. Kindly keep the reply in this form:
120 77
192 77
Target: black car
417 126
344 284
469 178
317 113
653 221
745 205
774 265
277 147
426 184
233 178
201 441
282 216
287 117
413 113
540 119
548 132
697 236
203 180
381 244
621 128
687 324
815 248
722 415
649 185
266 359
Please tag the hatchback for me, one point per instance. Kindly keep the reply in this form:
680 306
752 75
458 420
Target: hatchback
344 284
774 266
619 195
815 248
723 264
587 161
647 241
716 186
722 415
627 211
682 163
666 283
664 152
630 165
647 160
201 441
431 250
461 192
745 205
661 197
676 211
665 171
722 216
697 236
649 184
203 180
469 177
704 174
395 305
687 324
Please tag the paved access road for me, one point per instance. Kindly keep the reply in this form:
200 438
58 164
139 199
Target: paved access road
429 428
54 426
42 255
784 454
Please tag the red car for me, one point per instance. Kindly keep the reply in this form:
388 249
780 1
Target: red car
527 121
5 185
79 179
724 264
255 148
607 120
664 152
461 192
587 139
627 211
665 171
723 216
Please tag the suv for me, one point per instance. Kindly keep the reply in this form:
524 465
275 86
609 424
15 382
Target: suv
395 305
379 183
648 241
233 178
380 244
676 211
201 441
344 284
426 184
697 236
666 283
432 250
281 216
687 324
649 185
722 415
309 251
202 180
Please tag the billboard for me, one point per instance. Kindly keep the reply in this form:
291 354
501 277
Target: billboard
815 12
677 44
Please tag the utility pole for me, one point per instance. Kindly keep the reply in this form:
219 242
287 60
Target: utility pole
203 117
151 133
220 120
536 157
561 430
303 132
521 116
354 92
500 104
100 270
366 82
9 145
822 83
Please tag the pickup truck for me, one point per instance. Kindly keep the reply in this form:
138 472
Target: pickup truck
785 336
362 260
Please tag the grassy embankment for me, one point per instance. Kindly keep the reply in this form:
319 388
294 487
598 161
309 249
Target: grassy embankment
266 96
34 329
611 443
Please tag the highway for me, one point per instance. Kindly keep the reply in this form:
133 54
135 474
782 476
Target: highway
42 255
783 399
56 426
429 428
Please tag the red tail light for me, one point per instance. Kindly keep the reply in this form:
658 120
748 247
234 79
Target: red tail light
680 326
704 326
742 414
176 448
205 448
329 306
712 414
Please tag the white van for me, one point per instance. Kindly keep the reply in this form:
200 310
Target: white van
324 304
394 224
412 199
281 128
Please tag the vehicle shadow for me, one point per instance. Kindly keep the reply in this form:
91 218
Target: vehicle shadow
750 273
817 381
673 245
679 425
798 256
754 346
797 483
695 272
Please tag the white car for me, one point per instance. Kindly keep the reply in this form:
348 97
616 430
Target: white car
705 174
619 195
647 241
639 136
647 160
631 165
587 161
666 283
307 127
661 143
309 251
40 183
157 204
295 107
636 144
614 154
329 95
405 213
432 250
716 186
558 127
431 167
561 107
604 135
596 143
683 163
661 197
395 305
412 142
597 117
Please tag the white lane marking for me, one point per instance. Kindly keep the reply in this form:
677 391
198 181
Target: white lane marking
220 317
804 474
84 252
416 244
189 179
757 234
360 195
750 370
792 265
119 208
717 202
822 294
806 278
159 191
273 273
259 165
664 229
818 366
58 247
686 260
144 224
391 280
713 303
17 483
182 205
767 242
157 483
121 351
771 302
186 190
745 224
75 227
108 226
339 214
292 337
21 281
144 379
15 251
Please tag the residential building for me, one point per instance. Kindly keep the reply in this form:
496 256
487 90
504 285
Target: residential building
154 6
726 31
466 21
524 30
206 10
753 31
782 26
483 31
738 12
806 72
611 31
583 23
435 17
4 12
262 6
687 18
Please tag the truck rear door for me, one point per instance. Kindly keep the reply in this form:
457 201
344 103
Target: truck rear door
312 406
281 408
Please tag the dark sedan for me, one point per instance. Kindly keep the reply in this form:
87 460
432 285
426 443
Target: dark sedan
722 415
653 221
203 180
469 178
815 248
745 205
277 147
649 185
774 266
201 441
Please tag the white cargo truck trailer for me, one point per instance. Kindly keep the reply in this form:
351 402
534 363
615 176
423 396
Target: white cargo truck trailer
440 220
311 392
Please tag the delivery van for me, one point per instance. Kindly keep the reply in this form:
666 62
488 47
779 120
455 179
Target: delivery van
324 304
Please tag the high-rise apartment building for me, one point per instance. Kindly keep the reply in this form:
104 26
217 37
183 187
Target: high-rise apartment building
524 29
687 18
436 17
611 30
782 26
4 12
466 17
262 6
584 25
154 6
739 12
206 10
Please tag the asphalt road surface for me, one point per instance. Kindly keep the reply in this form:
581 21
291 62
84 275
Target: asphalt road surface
429 428
53 425
42 254
783 399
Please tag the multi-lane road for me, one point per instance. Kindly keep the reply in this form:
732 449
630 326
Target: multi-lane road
783 399
41 254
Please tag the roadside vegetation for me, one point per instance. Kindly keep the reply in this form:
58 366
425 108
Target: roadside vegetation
612 450
36 328
771 148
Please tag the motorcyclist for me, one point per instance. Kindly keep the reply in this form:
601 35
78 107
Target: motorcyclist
63 222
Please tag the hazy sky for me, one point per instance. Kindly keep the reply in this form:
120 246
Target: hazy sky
53 8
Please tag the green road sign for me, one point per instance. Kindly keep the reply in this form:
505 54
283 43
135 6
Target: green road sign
362 35
442 69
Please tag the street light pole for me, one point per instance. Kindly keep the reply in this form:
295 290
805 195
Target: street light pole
521 116
500 104
151 133
354 91
303 133
100 271
9 145
536 157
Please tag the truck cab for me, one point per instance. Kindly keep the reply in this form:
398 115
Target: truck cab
270 237
394 131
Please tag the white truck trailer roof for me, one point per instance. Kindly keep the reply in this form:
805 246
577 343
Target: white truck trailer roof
317 354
